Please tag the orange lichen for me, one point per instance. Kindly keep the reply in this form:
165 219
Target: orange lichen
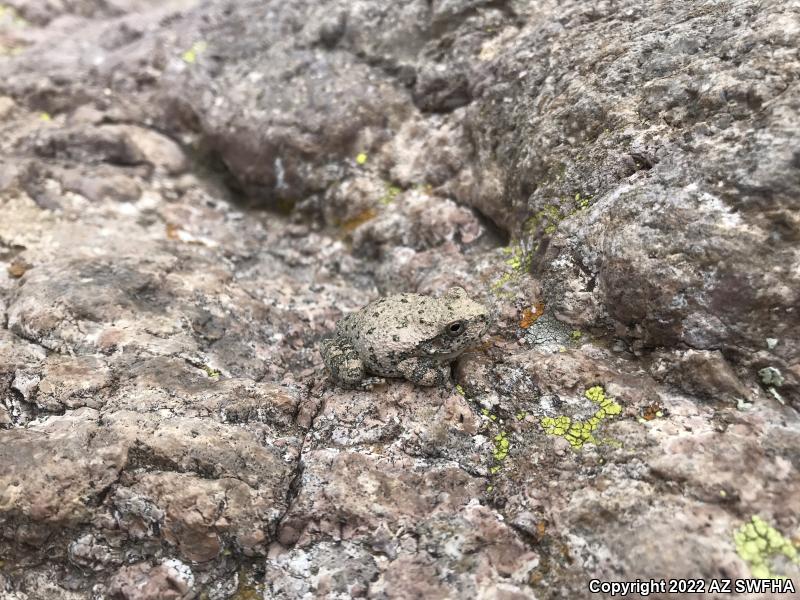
540 528
350 225
531 315
652 411
484 345
17 269
173 231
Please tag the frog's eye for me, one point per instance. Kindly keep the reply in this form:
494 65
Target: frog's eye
455 328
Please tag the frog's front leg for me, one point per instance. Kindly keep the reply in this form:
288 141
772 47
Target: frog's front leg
424 371
343 362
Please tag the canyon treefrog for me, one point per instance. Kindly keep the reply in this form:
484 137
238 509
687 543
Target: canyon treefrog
405 335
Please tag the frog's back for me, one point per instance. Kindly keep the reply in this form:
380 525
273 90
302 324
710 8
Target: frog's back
389 330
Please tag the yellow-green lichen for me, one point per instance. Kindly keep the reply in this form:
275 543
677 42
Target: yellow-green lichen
556 426
578 433
190 56
10 16
759 544
501 446
424 188
501 282
516 257
361 158
392 192
549 218
10 50
546 220
581 202
212 373
518 262
485 412
460 390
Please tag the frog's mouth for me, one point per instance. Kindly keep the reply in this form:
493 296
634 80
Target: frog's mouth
439 355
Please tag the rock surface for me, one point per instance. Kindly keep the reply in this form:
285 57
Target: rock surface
193 193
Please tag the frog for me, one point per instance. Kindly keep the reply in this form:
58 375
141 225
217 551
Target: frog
410 336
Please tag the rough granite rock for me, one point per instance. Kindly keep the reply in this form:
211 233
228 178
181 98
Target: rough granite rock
194 192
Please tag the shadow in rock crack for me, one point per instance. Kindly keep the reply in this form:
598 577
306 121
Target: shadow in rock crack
496 235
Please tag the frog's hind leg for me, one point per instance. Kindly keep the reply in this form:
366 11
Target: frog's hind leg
425 372
343 362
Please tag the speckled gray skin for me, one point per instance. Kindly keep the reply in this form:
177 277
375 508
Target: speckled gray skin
406 335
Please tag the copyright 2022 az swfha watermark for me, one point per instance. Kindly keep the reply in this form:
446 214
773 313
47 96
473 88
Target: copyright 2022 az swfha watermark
771 588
